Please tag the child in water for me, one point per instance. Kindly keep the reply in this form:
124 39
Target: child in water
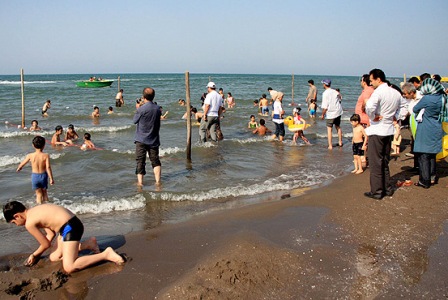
35 126
312 108
262 129
110 111
88 144
71 135
56 139
297 121
359 143
252 123
96 112
41 169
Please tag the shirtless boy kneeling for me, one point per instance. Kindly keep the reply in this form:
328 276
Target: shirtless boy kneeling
53 218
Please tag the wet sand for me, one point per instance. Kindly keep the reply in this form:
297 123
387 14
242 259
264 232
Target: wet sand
330 242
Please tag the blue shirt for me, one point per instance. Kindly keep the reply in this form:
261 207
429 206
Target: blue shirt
147 119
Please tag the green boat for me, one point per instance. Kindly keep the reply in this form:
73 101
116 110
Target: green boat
94 83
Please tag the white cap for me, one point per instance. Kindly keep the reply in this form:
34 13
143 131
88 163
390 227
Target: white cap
211 84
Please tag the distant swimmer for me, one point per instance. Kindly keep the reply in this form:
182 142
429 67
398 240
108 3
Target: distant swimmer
96 112
40 168
88 144
110 111
45 108
35 126
71 135
252 123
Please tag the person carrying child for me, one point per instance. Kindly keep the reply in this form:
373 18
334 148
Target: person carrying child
88 144
262 129
297 121
53 218
40 168
359 142
252 123
397 139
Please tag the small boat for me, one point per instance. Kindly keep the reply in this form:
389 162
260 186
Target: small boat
94 83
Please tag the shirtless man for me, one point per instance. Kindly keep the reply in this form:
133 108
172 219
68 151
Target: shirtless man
119 99
53 218
46 107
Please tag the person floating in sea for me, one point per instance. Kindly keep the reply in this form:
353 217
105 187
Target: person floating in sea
71 135
359 143
252 123
41 169
96 112
53 218
110 111
45 108
35 126
56 139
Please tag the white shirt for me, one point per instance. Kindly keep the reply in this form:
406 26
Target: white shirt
331 102
215 101
385 102
278 109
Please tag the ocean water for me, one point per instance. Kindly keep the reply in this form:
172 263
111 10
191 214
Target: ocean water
99 185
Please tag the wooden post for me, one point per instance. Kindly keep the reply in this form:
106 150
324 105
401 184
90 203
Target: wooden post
118 83
187 96
23 98
404 77
292 89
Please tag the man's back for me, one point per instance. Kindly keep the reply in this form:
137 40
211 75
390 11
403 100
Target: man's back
147 119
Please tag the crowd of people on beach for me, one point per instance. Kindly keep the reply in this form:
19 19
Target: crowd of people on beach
381 112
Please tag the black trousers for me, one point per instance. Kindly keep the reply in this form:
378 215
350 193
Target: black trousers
379 156
427 168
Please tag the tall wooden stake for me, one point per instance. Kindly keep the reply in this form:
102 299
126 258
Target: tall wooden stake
187 96
23 98
118 83
292 89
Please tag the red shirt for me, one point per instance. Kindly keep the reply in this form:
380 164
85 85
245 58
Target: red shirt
366 93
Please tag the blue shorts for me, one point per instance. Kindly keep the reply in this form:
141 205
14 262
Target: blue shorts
72 230
39 181
312 112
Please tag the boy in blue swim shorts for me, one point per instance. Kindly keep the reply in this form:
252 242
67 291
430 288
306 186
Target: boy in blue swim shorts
57 219
41 169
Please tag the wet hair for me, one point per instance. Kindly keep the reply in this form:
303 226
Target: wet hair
111 108
414 80
262 122
39 142
71 126
149 93
365 78
263 96
95 107
57 128
424 76
255 101
252 116
408 87
269 89
355 118
220 89
48 101
121 90
311 81
194 110
377 73
37 123
87 136
436 77
12 208
230 94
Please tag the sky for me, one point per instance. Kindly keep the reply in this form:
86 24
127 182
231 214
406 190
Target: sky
325 37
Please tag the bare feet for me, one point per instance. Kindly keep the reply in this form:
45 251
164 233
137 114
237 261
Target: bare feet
359 172
354 171
113 256
330 147
90 244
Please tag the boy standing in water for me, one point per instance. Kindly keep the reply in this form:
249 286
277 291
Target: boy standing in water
359 143
41 169
53 218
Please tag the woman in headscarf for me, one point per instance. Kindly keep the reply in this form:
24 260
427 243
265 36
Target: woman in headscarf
428 139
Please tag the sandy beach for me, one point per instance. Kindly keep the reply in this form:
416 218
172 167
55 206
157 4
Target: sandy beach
329 242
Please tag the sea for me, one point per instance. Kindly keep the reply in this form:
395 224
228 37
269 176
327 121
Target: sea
100 185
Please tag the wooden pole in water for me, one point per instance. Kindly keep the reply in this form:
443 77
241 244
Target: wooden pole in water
292 89
187 96
23 97
118 83
404 77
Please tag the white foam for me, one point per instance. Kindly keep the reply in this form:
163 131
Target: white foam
96 205
13 160
104 129
174 150
8 82
283 182
11 134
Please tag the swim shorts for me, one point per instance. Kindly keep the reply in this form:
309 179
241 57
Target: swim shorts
312 112
39 181
357 149
72 230
336 122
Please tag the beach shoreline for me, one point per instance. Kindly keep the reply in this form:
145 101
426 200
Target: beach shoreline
331 242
